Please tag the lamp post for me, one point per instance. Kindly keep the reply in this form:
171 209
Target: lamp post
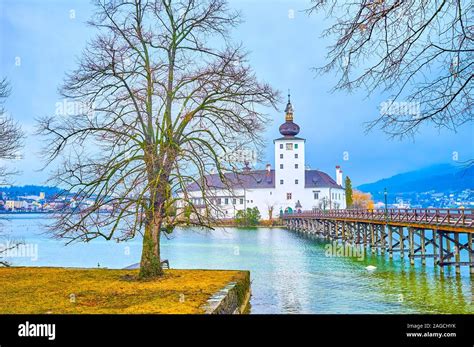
385 193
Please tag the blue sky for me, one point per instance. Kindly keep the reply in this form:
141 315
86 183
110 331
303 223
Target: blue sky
45 40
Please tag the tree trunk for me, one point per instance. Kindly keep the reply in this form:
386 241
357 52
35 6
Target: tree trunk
150 264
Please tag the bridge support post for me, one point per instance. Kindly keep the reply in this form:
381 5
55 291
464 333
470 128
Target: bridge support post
412 246
457 253
448 245
357 228
365 235
471 253
441 252
423 250
390 242
402 242
383 239
372 239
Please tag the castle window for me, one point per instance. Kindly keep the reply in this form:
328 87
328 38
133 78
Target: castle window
281 156
288 196
296 155
296 146
296 166
241 201
234 201
281 145
219 201
289 146
226 201
281 166
296 181
316 195
281 181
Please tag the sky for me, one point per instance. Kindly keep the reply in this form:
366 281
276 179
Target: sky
40 40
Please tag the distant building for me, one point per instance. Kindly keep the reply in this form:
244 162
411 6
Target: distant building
12 205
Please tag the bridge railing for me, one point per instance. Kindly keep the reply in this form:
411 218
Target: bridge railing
437 216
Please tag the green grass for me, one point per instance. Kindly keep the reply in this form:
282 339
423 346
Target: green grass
40 290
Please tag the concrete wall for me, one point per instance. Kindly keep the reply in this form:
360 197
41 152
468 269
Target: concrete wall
232 299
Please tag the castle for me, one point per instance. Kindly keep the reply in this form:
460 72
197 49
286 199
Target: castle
288 188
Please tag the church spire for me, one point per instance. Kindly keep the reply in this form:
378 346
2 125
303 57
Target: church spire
289 109
289 129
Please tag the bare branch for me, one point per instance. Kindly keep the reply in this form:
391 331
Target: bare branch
420 51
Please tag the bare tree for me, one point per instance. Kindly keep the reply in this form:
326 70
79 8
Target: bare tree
422 52
324 203
270 209
169 96
10 135
10 142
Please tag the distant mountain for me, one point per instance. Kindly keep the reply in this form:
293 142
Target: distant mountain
14 191
442 178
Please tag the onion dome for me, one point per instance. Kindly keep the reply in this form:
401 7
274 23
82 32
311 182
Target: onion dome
289 129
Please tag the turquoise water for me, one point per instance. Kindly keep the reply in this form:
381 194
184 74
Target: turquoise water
290 273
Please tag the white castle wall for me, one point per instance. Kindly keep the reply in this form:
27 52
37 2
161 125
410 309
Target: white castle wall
265 198
289 179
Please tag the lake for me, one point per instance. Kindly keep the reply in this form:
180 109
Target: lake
290 273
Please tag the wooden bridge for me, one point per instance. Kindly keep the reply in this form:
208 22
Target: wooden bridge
411 231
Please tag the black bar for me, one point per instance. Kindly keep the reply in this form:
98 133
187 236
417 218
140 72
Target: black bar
315 330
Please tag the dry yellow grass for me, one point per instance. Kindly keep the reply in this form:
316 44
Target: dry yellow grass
40 290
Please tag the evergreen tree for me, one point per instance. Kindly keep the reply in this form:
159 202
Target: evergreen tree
348 185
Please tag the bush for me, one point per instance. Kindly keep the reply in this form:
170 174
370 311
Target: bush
249 217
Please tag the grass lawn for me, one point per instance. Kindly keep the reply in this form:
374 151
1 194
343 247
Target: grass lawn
41 290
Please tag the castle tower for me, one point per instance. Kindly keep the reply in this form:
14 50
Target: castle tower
289 161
